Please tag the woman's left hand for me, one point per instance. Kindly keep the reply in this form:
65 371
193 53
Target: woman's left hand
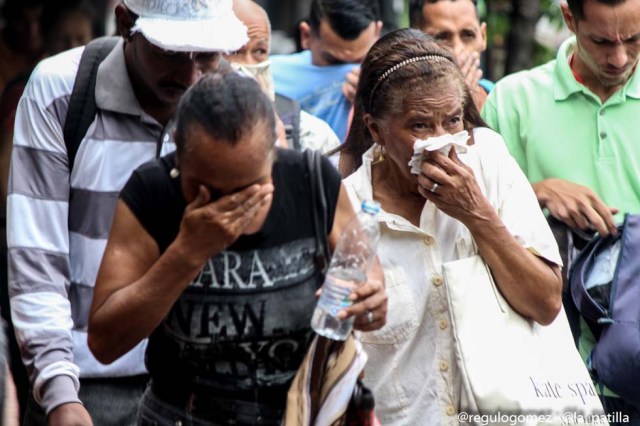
451 185
369 302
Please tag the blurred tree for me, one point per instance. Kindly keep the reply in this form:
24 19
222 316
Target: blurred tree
511 26
523 18
495 14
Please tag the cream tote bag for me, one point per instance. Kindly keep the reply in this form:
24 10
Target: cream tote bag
514 371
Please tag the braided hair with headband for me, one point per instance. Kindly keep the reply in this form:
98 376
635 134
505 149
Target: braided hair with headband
398 64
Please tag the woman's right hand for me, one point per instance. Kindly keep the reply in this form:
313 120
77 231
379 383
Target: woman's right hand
451 185
207 228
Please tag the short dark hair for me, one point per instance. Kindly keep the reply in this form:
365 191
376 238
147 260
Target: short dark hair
415 10
227 106
348 18
577 6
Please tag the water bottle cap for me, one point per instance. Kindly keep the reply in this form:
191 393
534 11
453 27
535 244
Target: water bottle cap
371 206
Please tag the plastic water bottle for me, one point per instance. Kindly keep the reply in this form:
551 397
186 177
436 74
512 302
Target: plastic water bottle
352 258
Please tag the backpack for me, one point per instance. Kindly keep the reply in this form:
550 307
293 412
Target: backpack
82 103
289 112
611 309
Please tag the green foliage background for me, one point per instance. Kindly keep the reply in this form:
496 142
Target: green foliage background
499 24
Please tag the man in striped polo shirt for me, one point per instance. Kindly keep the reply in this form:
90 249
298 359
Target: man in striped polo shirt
59 212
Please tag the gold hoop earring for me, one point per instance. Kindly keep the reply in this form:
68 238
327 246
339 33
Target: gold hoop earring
378 154
174 173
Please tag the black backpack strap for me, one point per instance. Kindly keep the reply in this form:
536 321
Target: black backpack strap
82 103
289 112
319 204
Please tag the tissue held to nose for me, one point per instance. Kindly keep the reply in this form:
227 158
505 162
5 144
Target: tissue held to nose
442 144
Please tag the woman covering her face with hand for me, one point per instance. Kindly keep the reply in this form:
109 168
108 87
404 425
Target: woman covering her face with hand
455 206
212 255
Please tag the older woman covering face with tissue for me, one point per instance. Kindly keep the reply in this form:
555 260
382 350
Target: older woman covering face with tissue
448 190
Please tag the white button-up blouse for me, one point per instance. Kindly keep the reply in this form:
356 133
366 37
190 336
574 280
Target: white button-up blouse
411 366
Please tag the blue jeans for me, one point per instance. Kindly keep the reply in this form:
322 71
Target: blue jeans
154 411
112 401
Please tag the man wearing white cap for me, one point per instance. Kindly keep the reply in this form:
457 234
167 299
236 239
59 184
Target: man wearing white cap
59 219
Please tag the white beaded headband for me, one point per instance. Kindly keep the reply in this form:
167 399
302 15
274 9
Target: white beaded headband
399 65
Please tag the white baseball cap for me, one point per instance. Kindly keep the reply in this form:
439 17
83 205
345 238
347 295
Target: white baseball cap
189 25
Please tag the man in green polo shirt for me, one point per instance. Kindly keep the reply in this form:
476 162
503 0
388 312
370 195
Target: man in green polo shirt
572 123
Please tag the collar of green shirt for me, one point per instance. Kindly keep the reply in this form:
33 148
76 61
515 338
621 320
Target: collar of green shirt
565 84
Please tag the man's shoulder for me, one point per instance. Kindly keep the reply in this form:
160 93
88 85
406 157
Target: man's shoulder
537 78
521 91
315 133
53 77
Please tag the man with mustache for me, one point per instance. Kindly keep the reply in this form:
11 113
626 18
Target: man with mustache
60 210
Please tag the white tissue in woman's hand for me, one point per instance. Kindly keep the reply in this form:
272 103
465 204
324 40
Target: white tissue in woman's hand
442 144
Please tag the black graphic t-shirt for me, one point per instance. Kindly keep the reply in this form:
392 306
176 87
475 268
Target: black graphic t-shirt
241 329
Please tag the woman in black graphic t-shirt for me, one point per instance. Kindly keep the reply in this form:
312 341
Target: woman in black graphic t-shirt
211 256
